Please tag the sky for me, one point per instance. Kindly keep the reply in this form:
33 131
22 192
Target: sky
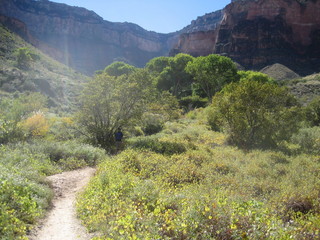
162 16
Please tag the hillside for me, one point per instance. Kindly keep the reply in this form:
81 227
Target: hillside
42 74
306 88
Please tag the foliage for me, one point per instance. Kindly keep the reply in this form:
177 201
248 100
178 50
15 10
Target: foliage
192 102
255 76
214 192
153 144
157 65
25 57
171 75
212 72
117 69
13 110
111 102
308 140
313 112
255 114
23 194
36 125
164 107
62 153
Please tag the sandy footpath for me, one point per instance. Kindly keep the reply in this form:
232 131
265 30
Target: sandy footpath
61 222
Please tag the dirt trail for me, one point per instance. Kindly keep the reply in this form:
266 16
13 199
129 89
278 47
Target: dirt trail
61 222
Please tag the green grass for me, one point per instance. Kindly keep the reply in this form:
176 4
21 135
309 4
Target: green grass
208 191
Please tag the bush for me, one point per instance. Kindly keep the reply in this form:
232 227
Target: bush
153 144
24 195
60 152
308 140
313 112
36 125
254 114
192 102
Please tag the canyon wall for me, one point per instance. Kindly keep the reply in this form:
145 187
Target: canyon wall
257 33
83 40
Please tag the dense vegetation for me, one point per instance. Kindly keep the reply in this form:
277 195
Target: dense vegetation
186 183
210 152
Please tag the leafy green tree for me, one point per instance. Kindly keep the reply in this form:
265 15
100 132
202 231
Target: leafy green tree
109 102
170 74
212 72
254 114
156 65
119 68
255 76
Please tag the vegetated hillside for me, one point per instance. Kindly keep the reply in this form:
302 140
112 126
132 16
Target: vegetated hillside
25 68
306 88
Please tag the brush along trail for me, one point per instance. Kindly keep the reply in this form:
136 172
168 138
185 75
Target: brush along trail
61 222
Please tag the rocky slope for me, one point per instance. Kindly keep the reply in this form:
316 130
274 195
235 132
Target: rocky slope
257 33
83 40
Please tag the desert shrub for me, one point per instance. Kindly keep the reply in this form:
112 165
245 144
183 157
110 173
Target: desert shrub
24 195
193 102
13 111
308 140
36 125
313 112
155 145
62 129
254 114
152 123
59 152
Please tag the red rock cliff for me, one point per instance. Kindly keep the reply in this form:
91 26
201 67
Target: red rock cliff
256 33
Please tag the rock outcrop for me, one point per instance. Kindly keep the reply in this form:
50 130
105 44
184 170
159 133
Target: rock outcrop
82 39
257 33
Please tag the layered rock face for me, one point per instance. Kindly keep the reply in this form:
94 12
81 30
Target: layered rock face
256 33
82 39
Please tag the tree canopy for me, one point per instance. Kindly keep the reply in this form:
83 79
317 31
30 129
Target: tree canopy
212 72
109 102
170 74
119 68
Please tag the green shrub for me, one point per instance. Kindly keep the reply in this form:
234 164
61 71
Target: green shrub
308 140
193 102
313 112
153 144
254 114
59 152
24 195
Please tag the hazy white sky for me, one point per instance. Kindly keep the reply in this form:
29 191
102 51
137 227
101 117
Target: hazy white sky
162 16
